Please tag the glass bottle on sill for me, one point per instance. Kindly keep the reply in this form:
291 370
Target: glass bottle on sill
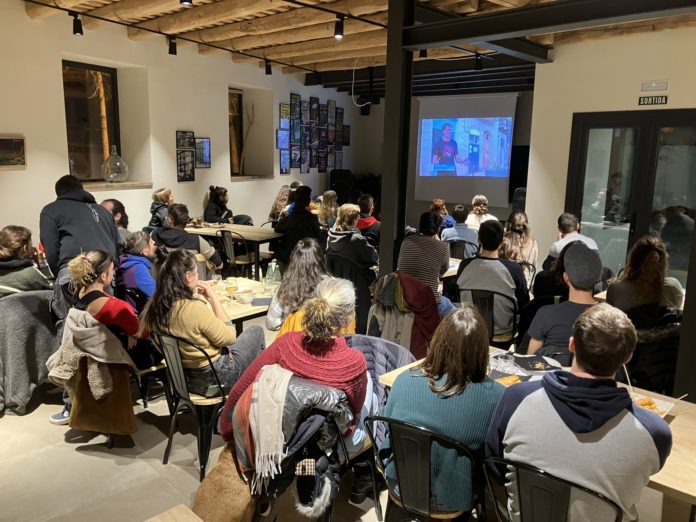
114 169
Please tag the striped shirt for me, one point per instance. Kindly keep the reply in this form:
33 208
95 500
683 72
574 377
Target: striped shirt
424 258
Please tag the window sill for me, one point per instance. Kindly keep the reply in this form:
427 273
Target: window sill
249 177
102 186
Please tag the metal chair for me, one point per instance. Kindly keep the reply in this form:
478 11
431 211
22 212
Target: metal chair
205 409
462 249
411 446
228 238
484 300
529 272
542 497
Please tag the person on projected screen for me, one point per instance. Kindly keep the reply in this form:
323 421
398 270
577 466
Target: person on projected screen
445 152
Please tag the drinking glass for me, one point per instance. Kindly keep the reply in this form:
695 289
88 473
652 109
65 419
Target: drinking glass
507 363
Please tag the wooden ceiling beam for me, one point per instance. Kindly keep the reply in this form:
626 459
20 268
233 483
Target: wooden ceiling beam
468 6
130 10
510 3
377 37
333 55
39 11
294 19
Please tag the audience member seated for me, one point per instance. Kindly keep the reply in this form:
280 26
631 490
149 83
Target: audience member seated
488 272
135 266
217 211
450 394
351 257
72 224
580 426
552 325
438 206
174 236
185 307
568 230
299 224
279 204
317 353
518 243
291 198
461 231
97 330
479 212
17 270
328 210
426 258
161 199
643 280
120 217
368 224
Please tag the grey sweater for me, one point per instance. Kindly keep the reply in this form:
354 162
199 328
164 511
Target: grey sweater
21 275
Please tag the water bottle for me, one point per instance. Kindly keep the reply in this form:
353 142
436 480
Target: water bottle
268 281
277 276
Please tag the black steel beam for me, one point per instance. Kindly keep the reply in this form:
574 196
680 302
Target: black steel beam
540 19
454 89
445 84
397 121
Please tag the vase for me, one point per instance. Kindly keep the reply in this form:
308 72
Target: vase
114 169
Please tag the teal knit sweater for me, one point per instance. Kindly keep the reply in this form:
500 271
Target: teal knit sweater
464 417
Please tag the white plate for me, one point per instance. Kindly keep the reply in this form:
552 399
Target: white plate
663 407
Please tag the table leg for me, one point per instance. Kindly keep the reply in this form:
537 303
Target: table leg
675 510
239 327
257 266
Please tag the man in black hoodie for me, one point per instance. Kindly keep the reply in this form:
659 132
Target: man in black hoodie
580 426
74 223
301 223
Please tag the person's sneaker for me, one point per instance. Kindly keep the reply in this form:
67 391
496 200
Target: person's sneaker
61 418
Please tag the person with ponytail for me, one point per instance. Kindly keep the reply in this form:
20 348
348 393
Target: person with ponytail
317 353
217 211
17 270
185 307
479 212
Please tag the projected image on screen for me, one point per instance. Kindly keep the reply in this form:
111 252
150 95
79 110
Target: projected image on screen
465 147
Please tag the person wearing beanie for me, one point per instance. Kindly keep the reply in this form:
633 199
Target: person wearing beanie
552 326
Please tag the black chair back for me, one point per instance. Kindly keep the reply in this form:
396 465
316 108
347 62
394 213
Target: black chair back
137 298
462 249
529 272
484 301
228 239
542 497
411 446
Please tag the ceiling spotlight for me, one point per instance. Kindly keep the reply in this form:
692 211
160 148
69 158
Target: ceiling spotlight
76 24
423 53
186 3
338 27
478 64
269 69
172 45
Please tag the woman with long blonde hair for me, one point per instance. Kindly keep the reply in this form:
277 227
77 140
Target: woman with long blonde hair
518 243
328 210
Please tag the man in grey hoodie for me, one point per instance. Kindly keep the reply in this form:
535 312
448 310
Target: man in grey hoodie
582 427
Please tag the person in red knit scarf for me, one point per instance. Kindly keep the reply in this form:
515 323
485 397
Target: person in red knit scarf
317 353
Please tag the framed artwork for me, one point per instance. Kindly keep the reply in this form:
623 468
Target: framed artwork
346 135
185 140
304 161
13 154
284 116
295 157
285 162
295 131
338 142
202 153
313 158
235 123
321 160
304 136
339 160
339 117
323 115
313 109
304 112
313 135
323 138
330 158
331 107
331 135
282 139
295 103
185 161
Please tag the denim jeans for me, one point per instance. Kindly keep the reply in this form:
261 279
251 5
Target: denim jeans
229 366
445 306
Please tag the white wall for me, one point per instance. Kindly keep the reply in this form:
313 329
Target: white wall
600 75
159 94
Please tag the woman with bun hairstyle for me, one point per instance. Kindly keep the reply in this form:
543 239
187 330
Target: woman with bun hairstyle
135 265
217 211
17 270
161 199
317 353
479 212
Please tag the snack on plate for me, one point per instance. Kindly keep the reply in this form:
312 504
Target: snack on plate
509 380
649 404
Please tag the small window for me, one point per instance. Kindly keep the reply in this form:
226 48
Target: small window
236 122
91 117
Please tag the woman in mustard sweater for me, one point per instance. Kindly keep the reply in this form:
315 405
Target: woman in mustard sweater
185 307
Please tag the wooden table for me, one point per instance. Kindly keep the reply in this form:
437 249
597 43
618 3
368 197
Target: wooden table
677 480
240 312
601 296
254 237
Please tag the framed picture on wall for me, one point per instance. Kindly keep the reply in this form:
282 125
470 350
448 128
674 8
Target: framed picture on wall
346 135
339 117
202 153
295 103
323 115
331 108
321 160
313 109
12 153
295 131
304 112
304 161
285 162
284 116
313 158
185 140
282 139
295 157
185 160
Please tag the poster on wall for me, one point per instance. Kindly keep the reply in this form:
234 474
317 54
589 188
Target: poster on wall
304 112
321 160
313 135
304 161
12 153
346 135
185 140
313 109
282 139
185 165
338 142
202 153
295 105
339 117
285 162
323 138
339 160
313 158
304 137
331 106
295 157
295 131
323 115
284 116
330 158
331 136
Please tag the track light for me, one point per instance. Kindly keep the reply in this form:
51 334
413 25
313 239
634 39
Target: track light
269 69
478 65
172 45
338 27
186 3
423 53
76 24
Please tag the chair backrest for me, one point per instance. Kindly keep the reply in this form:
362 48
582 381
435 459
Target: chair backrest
529 272
462 249
411 446
229 238
169 346
205 272
484 300
543 497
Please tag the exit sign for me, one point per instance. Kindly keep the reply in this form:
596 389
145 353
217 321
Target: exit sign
652 100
